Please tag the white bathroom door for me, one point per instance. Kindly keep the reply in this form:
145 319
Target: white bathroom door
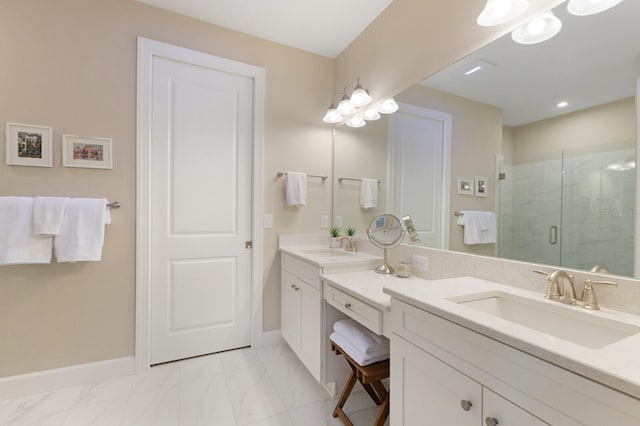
420 156
201 207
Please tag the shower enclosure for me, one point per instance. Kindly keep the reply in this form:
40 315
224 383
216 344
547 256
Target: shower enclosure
573 208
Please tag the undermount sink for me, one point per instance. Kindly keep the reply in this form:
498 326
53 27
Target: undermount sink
557 320
330 252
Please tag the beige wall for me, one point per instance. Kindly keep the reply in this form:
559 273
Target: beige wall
71 64
613 122
476 140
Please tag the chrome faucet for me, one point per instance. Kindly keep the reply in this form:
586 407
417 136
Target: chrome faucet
351 244
560 287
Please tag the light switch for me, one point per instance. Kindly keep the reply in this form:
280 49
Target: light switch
324 222
268 221
338 221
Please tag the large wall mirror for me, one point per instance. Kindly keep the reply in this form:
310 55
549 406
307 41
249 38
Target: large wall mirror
561 180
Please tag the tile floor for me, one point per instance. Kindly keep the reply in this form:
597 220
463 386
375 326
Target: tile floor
257 387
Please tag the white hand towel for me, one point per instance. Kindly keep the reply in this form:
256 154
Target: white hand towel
296 189
479 226
369 193
47 215
353 352
365 340
82 234
18 243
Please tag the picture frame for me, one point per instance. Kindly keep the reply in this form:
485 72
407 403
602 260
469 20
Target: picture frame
480 186
28 145
465 186
89 152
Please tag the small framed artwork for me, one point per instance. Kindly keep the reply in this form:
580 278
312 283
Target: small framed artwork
465 186
29 145
481 186
87 151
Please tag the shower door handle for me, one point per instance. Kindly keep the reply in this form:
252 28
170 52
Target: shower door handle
553 235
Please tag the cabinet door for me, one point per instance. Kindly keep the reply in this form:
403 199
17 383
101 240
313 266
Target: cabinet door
505 412
310 328
426 391
290 310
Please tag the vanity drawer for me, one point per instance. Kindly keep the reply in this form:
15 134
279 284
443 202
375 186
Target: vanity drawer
365 314
306 272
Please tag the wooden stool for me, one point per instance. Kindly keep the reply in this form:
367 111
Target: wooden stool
370 377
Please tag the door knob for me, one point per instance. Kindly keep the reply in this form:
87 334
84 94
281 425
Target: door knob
466 405
491 421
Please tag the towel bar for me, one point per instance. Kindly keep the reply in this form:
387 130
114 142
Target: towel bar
354 179
458 214
280 174
114 205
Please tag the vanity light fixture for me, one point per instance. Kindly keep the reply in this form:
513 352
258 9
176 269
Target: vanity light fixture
498 12
590 7
371 114
332 116
356 121
388 106
360 96
345 107
538 29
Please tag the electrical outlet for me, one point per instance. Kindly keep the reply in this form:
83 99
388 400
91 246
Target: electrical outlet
324 222
420 263
338 221
268 221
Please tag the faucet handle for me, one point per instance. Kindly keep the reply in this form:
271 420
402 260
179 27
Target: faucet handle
553 289
589 295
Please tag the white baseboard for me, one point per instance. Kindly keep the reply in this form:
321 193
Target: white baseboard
49 380
271 338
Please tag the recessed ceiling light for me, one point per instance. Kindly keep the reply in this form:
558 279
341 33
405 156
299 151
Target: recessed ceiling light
562 104
474 69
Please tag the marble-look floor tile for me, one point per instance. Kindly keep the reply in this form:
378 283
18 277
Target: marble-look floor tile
293 382
200 367
239 359
253 396
279 420
274 353
103 413
7 408
315 414
53 419
44 404
159 408
164 376
105 391
206 402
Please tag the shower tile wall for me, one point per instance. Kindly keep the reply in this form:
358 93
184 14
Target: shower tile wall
592 207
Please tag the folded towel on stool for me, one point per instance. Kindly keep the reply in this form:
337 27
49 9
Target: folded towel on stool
355 354
365 340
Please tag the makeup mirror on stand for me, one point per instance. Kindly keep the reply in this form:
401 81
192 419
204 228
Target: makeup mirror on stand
385 231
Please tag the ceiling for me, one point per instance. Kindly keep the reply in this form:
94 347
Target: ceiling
590 62
324 27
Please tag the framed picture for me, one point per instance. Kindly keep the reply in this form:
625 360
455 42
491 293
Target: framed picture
465 186
481 186
86 151
29 145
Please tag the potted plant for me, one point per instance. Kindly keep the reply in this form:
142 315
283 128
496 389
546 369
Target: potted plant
334 234
351 231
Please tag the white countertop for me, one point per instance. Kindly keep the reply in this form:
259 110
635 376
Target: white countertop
356 260
616 365
367 286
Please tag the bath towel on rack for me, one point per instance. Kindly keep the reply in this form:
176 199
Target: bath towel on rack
296 189
82 235
479 226
18 243
369 193
48 213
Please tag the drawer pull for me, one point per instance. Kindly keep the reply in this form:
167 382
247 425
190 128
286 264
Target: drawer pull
347 305
466 405
491 421
296 288
293 286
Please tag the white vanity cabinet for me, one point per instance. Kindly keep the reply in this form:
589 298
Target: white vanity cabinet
428 391
440 369
301 312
